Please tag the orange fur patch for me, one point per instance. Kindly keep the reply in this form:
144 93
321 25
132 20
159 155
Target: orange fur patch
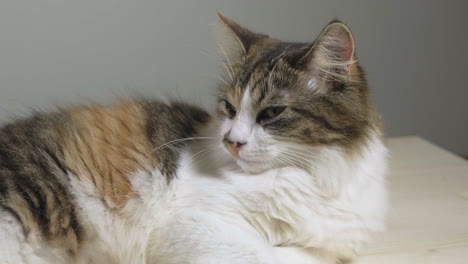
106 145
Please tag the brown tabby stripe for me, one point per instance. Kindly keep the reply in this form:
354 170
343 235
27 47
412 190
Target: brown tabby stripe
277 74
104 145
167 123
33 185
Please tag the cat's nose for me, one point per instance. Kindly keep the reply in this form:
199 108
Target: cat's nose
234 146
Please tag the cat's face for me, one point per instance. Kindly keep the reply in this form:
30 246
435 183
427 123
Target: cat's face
282 101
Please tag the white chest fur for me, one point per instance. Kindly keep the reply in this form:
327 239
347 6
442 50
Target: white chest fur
333 206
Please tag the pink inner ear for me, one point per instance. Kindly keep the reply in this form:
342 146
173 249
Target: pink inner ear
348 51
346 45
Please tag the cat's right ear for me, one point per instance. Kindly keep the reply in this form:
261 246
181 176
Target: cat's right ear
234 41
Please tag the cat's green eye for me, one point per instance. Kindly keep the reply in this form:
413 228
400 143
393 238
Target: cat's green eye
270 113
229 108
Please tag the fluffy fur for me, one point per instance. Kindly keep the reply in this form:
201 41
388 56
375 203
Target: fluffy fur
290 169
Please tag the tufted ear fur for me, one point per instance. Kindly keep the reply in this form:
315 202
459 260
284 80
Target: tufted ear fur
334 49
235 41
328 59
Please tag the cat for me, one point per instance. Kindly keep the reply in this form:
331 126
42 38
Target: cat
290 168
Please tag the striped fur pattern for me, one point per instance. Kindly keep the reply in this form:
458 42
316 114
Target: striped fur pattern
321 86
99 144
289 169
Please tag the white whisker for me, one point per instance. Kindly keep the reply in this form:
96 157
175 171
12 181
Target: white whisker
231 71
180 140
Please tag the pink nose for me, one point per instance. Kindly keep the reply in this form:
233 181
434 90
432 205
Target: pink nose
234 147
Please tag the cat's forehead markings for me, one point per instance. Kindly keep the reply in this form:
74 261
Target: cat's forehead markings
245 101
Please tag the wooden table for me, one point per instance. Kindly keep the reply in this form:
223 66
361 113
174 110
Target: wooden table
428 218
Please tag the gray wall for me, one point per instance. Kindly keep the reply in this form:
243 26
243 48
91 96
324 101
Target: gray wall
56 52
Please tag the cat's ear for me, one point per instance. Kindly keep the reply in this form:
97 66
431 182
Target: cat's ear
334 46
328 60
234 41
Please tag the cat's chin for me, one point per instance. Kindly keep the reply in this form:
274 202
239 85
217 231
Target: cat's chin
252 167
249 166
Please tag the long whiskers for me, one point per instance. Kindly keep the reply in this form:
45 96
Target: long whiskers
202 155
303 157
178 141
223 80
286 160
229 70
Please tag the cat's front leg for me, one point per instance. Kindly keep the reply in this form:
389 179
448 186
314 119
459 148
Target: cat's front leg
197 237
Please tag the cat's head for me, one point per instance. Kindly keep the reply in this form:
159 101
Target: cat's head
282 101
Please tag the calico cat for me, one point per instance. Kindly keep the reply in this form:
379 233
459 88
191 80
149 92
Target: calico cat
289 169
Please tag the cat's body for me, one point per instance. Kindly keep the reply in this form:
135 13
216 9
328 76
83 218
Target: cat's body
192 215
300 182
54 166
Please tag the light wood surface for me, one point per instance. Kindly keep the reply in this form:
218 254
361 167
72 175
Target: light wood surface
428 218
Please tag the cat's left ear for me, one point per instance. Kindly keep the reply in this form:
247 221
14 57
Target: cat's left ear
328 59
235 41
335 45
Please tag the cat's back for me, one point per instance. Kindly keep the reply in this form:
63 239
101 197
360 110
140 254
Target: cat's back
100 145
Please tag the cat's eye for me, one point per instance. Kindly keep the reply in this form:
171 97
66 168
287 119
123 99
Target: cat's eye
230 109
270 113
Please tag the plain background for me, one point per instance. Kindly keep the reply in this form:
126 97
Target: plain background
61 52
